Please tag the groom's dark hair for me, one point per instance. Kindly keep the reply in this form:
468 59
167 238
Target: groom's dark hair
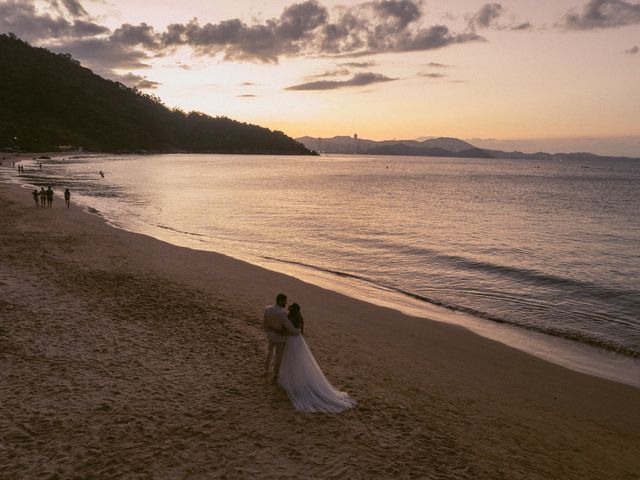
281 296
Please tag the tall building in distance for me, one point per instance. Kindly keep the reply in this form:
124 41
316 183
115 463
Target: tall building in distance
355 143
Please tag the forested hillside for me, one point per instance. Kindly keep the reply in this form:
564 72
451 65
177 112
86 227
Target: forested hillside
49 99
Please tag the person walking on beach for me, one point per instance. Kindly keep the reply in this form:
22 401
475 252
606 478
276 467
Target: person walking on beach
276 326
36 197
67 197
43 197
49 197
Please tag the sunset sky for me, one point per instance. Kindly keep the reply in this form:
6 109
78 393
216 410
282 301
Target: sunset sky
538 72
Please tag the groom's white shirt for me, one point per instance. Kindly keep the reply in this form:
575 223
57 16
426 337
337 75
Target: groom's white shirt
274 320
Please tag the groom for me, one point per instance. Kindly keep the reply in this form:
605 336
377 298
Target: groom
277 326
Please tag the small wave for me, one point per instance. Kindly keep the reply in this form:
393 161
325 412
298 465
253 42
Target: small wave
569 335
523 274
178 231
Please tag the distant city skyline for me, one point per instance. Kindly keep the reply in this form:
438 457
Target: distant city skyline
538 75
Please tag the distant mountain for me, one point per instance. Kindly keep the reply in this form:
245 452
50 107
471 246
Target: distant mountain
344 144
402 149
431 147
47 100
446 143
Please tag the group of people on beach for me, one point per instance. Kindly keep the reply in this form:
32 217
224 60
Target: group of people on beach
44 198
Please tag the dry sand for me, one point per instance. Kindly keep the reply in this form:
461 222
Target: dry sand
125 357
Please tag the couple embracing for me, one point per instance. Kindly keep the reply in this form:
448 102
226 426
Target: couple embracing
296 370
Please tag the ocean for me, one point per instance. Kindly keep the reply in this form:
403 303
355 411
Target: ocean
545 249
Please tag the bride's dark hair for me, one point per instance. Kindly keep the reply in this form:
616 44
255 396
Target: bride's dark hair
295 315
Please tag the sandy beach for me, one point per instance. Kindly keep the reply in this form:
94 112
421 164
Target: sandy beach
122 356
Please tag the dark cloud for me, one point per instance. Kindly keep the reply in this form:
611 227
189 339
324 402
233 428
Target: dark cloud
522 26
338 72
142 34
487 15
434 37
431 75
437 65
102 54
400 13
602 14
248 84
633 50
381 26
304 29
22 18
299 19
287 35
247 95
358 80
358 64
74 8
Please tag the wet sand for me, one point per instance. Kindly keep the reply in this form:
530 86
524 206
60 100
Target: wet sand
122 356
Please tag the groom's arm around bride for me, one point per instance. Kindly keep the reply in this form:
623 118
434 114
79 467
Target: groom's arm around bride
277 326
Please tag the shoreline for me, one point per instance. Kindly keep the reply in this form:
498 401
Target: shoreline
122 353
580 356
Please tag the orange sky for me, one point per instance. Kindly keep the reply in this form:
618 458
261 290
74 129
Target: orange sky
514 69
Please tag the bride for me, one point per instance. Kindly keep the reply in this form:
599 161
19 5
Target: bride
303 380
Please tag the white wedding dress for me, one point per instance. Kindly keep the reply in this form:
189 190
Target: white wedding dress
305 384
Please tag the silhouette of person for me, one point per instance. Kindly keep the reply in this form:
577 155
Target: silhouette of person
101 173
36 197
49 196
43 197
67 197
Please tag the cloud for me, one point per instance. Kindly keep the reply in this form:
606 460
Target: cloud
142 34
22 18
433 38
521 26
358 64
400 13
486 16
103 54
358 80
305 29
248 84
236 40
602 14
147 84
431 75
74 8
633 50
308 29
338 72
246 95
437 65
137 81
